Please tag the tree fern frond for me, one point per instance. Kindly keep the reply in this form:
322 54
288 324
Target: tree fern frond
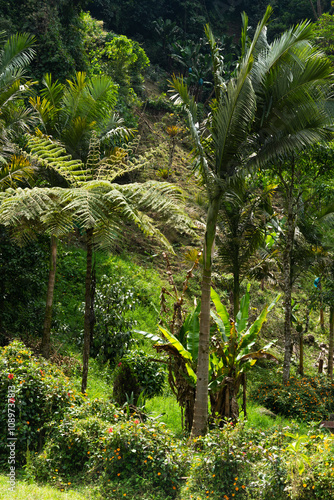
53 155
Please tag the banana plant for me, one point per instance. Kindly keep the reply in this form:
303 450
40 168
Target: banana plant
232 355
182 351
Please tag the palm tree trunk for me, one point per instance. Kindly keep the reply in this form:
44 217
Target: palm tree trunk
200 421
236 288
331 342
88 298
288 290
49 299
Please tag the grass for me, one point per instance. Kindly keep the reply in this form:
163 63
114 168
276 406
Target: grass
257 419
26 491
168 411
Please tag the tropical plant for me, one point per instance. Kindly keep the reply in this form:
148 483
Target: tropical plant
233 355
273 105
230 358
241 230
69 113
304 184
16 52
29 212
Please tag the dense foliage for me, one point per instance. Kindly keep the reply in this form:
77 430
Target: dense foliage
302 398
37 391
22 286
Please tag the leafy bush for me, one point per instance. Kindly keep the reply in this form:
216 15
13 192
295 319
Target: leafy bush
305 398
113 330
228 466
136 373
24 273
112 450
40 392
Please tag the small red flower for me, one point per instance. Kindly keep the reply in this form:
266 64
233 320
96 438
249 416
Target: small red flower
12 400
10 376
68 394
110 429
119 364
41 372
136 421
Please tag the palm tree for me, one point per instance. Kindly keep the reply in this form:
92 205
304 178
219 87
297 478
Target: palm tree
69 113
16 53
270 107
242 229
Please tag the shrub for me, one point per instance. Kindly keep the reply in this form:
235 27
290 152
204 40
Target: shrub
305 398
41 393
135 374
113 330
133 450
113 451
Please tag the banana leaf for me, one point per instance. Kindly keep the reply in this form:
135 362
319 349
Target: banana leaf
242 316
177 344
149 336
254 329
224 322
191 325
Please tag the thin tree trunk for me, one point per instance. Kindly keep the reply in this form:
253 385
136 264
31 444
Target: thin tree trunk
322 318
288 286
88 298
314 11
49 299
331 342
301 353
244 394
200 421
236 290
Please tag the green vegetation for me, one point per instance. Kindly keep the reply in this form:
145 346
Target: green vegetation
127 372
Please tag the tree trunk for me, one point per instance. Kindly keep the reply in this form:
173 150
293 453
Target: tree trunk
49 299
314 11
288 287
87 322
236 289
331 342
244 394
200 421
301 353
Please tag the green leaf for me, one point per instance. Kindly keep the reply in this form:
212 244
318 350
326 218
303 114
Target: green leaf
191 326
177 344
223 324
242 316
149 336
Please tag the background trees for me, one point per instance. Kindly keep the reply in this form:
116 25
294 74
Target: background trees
264 111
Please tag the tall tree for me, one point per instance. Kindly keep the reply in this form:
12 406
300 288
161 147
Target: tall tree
270 107
242 229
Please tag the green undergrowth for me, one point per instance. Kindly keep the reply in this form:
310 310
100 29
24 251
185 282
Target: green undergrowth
32 491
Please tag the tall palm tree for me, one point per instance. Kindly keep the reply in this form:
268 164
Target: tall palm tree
270 107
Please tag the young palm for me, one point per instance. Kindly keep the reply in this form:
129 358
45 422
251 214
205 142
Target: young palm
69 113
16 52
273 105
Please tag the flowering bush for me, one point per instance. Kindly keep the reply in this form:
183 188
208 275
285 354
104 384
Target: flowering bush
303 398
113 451
41 393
